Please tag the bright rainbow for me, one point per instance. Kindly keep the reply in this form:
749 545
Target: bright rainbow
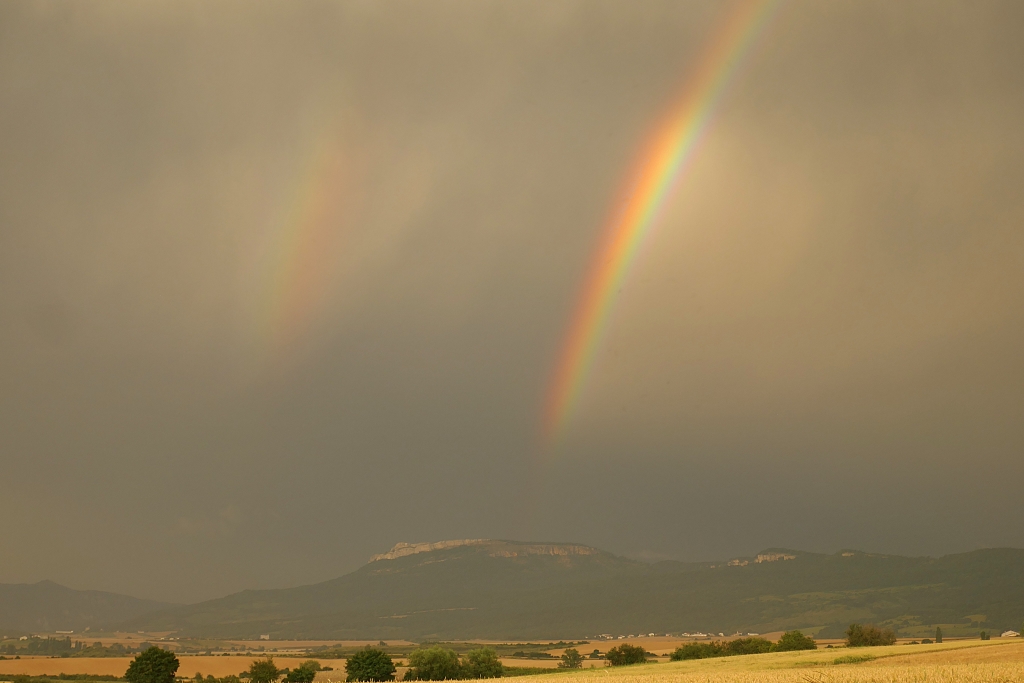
667 155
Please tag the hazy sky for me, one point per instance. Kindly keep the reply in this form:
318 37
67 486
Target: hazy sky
283 284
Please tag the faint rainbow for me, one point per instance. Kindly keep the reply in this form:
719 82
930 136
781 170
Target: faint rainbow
306 244
663 160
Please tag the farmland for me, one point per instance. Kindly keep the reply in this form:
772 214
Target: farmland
962 661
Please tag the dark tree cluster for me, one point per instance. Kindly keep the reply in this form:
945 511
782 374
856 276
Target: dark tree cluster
861 635
370 664
153 665
626 654
791 640
571 659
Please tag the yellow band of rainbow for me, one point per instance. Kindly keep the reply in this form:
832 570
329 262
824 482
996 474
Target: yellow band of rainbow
665 157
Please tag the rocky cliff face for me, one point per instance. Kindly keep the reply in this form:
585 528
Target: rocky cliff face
495 548
403 549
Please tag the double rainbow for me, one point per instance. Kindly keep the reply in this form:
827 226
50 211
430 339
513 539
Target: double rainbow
666 156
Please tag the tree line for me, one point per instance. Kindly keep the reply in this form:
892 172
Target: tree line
790 641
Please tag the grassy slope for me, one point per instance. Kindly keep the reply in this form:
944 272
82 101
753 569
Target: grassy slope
47 606
464 593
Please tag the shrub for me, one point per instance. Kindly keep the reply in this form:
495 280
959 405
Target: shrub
794 640
626 654
370 665
303 673
433 664
263 671
859 635
153 665
697 651
746 646
482 663
571 659
985 636
926 641
938 634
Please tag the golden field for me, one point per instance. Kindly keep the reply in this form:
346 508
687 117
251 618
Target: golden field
116 666
994 661
958 662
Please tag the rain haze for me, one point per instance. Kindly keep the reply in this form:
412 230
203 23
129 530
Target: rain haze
283 284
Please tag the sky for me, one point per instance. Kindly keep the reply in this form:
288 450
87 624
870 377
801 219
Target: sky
284 284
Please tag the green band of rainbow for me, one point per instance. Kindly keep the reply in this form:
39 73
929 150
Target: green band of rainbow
667 155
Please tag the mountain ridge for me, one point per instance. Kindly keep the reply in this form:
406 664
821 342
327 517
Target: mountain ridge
49 606
479 588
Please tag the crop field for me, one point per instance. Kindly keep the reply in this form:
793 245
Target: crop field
961 662
974 661
116 666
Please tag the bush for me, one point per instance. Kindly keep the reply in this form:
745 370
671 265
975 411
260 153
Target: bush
263 671
985 636
859 635
303 673
433 664
697 651
571 659
370 665
794 640
482 663
152 666
626 654
746 646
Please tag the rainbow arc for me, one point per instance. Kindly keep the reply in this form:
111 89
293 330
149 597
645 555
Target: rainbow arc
669 151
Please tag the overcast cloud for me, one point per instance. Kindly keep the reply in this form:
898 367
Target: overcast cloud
283 284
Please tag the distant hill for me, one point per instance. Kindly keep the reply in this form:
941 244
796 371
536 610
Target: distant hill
513 590
47 606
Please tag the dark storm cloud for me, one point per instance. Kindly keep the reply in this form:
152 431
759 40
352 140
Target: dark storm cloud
819 347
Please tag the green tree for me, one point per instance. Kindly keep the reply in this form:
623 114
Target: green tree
153 665
370 665
697 651
985 636
626 654
571 659
303 673
433 664
794 640
859 635
482 663
263 671
746 646
938 634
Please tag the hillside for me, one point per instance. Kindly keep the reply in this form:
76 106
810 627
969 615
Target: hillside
47 606
512 590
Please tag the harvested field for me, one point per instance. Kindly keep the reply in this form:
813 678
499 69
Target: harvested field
116 666
958 662
953 673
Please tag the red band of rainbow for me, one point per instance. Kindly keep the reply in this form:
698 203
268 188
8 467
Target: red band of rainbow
667 155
